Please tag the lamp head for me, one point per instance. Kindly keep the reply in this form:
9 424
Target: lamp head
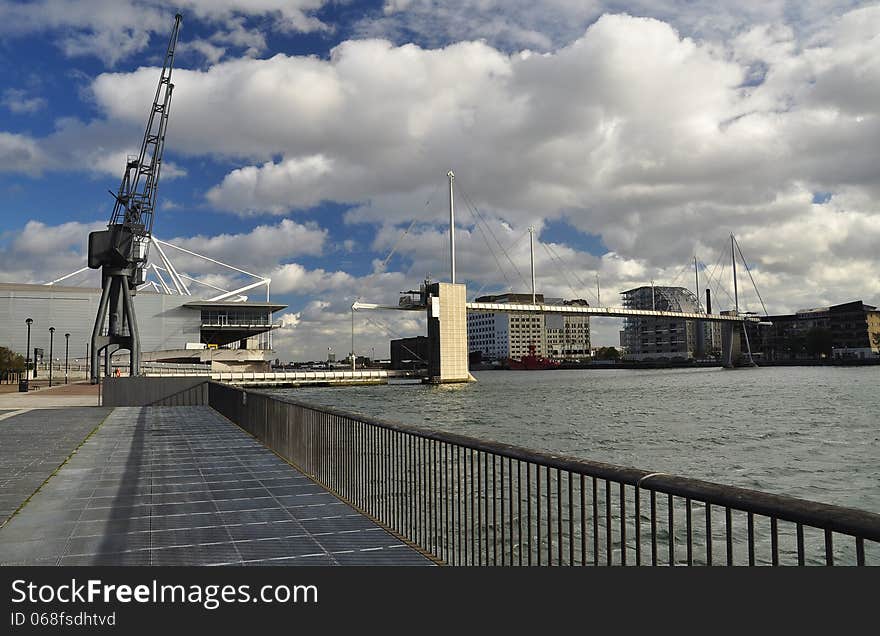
29 321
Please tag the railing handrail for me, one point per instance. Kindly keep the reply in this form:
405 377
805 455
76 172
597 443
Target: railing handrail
850 521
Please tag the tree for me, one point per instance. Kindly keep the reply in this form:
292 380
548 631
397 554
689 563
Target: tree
10 362
607 353
819 342
876 337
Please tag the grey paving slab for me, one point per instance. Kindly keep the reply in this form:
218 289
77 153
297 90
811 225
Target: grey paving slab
184 486
34 444
308 559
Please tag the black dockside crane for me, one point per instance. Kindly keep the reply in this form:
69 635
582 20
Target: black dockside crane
121 251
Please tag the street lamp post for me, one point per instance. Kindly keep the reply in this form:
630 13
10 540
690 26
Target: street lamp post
66 356
27 364
51 342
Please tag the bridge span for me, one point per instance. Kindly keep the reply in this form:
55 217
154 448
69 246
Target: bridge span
598 312
607 312
289 378
447 310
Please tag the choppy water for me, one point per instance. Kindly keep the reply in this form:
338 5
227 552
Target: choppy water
811 432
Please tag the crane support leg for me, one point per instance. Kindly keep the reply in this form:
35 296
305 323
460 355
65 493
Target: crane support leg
98 328
116 300
134 366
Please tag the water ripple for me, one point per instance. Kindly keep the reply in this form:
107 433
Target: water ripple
804 431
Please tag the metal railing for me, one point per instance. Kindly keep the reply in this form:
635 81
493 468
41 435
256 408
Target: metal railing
472 502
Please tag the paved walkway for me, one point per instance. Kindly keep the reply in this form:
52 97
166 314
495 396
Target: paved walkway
33 444
60 395
184 486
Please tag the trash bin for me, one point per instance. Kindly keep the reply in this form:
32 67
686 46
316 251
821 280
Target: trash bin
22 386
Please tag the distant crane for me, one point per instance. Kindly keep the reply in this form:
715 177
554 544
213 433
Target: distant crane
121 250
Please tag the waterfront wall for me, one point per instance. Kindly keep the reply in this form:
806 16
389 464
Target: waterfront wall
150 391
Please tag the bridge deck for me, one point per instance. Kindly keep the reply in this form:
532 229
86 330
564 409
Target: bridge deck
609 312
288 378
612 312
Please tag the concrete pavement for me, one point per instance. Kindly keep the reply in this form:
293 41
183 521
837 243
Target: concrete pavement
33 444
61 395
184 486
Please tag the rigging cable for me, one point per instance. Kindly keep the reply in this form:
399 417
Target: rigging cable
739 249
705 277
583 285
491 251
395 246
717 262
389 331
476 210
563 270
677 276
718 284
407 230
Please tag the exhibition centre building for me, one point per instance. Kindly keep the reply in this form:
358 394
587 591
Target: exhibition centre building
222 335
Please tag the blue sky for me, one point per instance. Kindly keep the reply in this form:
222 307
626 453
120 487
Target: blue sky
307 135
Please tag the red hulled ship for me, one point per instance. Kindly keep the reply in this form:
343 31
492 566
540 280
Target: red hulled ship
532 362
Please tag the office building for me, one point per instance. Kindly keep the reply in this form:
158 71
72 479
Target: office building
649 338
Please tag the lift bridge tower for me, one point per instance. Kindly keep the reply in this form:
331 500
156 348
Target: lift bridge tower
120 251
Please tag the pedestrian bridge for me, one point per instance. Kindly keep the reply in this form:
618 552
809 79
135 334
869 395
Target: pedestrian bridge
599 312
447 311
608 312
290 378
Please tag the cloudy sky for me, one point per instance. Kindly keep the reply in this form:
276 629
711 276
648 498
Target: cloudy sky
309 141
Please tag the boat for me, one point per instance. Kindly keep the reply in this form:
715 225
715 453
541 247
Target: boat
532 362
